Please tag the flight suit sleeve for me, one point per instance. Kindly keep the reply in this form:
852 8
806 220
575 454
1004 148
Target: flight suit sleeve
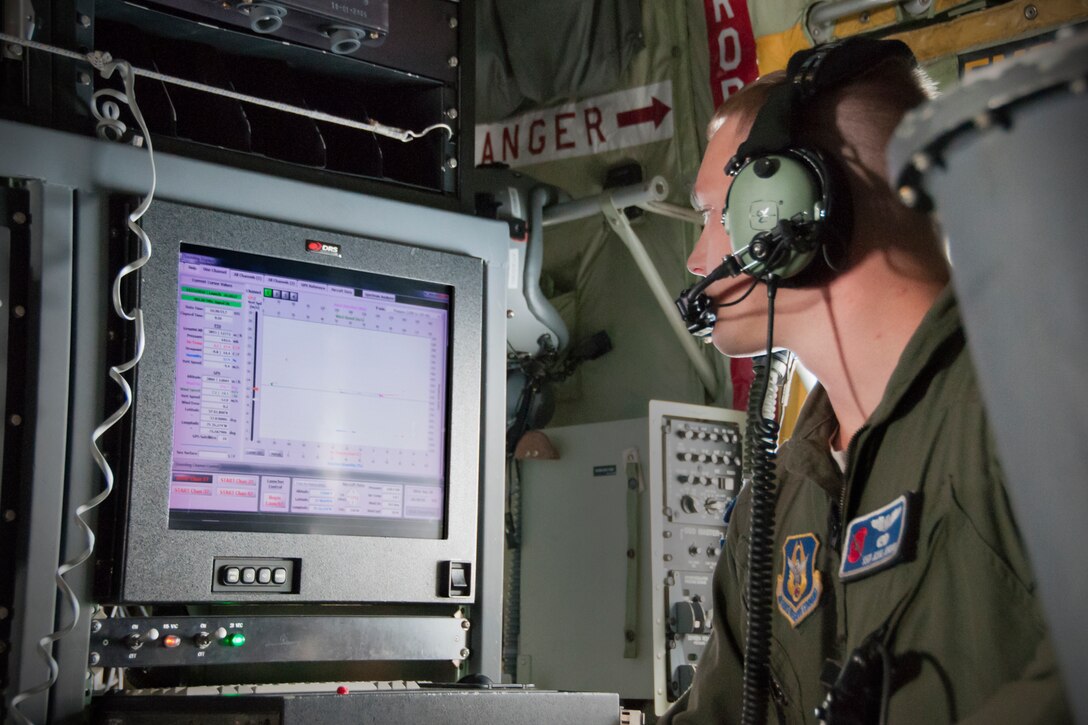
1037 697
716 694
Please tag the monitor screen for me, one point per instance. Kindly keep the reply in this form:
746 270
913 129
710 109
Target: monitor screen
308 398
308 403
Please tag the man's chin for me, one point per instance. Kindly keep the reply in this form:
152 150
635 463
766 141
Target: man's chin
731 347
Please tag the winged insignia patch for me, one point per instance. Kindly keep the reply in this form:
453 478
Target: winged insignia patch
876 540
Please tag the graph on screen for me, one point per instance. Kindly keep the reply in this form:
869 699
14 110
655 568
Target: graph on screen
327 383
305 394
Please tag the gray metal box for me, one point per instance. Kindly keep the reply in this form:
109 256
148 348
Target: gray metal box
615 585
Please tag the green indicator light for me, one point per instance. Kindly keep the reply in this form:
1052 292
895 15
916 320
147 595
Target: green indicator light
236 640
267 292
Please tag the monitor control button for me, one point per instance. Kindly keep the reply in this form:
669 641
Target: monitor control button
249 575
279 576
264 575
232 575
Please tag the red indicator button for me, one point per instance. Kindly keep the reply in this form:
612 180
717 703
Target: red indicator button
171 641
313 246
341 690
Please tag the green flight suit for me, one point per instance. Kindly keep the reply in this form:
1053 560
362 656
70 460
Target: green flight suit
963 624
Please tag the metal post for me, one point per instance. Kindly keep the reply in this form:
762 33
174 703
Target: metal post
823 16
649 195
619 222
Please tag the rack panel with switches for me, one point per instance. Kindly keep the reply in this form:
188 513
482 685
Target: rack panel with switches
217 640
700 462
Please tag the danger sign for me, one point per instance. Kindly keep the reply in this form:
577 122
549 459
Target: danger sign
732 47
595 125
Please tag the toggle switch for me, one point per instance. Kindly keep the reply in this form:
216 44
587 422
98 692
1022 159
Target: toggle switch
136 640
203 639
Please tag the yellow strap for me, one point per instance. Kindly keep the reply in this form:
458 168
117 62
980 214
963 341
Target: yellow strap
988 27
1010 21
773 51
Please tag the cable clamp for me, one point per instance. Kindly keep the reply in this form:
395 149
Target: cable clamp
101 61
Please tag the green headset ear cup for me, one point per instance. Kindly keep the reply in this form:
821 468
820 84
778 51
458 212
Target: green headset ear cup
767 190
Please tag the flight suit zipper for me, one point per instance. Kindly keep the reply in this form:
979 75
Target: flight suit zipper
836 517
838 513
779 697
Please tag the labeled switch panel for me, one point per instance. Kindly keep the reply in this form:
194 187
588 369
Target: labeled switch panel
241 639
701 474
690 604
702 469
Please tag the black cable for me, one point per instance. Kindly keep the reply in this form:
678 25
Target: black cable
885 682
742 297
762 440
521 416
778 255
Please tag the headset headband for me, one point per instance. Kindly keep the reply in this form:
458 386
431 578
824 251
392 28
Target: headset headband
808 73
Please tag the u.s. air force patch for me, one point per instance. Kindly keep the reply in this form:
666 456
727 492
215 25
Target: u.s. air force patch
799 585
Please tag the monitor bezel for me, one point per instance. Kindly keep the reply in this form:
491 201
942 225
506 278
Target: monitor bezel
177 565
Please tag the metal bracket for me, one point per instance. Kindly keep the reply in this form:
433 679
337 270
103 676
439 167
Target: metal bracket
649 195
20 22
5 304
635 486
821 17
622 226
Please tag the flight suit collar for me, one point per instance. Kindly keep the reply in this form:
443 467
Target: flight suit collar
809 447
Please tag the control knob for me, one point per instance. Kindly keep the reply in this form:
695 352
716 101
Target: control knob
689 618
715 505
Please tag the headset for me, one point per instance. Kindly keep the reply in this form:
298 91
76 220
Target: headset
786 202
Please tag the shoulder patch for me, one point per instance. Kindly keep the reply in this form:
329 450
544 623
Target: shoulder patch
877 540
799 584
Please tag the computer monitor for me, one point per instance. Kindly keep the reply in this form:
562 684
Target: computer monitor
307 399
306 417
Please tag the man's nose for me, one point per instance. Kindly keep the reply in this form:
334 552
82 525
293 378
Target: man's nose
697 258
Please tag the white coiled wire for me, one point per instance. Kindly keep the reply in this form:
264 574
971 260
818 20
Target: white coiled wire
107 114
112 128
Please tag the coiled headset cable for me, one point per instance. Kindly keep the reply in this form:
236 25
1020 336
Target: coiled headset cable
110 127
761 441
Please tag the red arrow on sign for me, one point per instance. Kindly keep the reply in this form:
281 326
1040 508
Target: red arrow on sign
655 112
